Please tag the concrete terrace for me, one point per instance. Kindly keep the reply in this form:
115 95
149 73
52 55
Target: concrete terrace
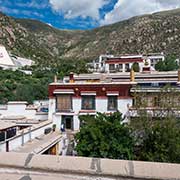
40 144
23 136
21 166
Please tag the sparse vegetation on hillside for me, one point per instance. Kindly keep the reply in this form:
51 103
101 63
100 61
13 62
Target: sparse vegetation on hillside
144 34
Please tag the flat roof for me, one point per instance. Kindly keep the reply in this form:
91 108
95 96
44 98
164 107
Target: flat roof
124 74
6 125
40 144
17 102
97 83
120 78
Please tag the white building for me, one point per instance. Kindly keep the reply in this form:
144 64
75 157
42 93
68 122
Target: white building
20 110
99 64
9 61
154 58
21 62
5 60
123 63
69 100
87 94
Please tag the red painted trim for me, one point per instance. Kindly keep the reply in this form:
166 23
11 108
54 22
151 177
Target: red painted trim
76 97
123 60
100 89
101 97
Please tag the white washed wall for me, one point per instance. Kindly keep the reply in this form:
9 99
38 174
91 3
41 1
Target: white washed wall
52 108
123 105
57 118
41 116
76 104
22 110
101 106
76 123
16 141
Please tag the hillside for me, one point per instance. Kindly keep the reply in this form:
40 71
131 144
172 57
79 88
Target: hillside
149 33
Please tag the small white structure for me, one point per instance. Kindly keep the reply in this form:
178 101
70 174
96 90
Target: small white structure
21 62
9 61
20 110
154 58
123 63
99 64
5 60
42 103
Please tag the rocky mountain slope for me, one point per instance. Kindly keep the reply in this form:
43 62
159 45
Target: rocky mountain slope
159 32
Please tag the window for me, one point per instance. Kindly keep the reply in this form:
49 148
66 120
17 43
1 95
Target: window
112 103
120 68
112 67
88 102
127 69
63 103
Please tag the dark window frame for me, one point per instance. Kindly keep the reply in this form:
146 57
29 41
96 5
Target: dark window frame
115 105
88 97
71 108
112 67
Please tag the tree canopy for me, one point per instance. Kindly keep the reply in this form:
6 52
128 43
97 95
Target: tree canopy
105 136
146 137
135 67
169 64
161 142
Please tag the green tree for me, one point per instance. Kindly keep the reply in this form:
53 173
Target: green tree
157 130
169 64
135 67
104 136
162 142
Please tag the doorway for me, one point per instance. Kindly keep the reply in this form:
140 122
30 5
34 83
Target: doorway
68 122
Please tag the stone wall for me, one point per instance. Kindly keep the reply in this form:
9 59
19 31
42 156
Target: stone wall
116 169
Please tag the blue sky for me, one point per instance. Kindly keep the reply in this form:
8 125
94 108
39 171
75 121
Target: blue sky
83 14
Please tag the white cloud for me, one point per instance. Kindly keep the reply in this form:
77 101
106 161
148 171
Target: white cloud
78 8
37 4
125 9
49 24
18 11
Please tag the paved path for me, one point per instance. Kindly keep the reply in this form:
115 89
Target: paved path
70 137
15 174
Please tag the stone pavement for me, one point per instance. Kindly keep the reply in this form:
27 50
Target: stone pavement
12 174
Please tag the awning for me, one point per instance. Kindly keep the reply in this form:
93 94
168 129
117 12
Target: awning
112 93
63 91
88 93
